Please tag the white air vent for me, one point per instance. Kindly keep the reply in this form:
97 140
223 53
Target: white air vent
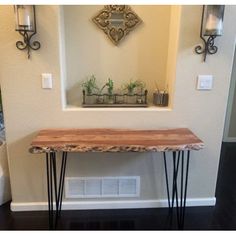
100 187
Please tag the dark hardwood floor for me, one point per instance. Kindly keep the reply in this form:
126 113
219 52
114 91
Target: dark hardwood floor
220 217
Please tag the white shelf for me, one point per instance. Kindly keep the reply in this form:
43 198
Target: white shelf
88 109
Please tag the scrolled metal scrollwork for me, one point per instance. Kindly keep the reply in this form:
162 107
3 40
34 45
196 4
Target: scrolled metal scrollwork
21 45
211 48
208 47
116 8
116 21
26 43
35 45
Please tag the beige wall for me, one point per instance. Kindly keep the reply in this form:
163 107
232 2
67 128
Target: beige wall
232 127
28 108
90 51
230 120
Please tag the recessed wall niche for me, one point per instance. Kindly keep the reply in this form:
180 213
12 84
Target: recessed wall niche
148 54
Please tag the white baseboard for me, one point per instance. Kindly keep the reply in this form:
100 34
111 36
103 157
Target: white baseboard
125 204
229 139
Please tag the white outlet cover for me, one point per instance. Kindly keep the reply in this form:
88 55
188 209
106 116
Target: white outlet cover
205 82
46 81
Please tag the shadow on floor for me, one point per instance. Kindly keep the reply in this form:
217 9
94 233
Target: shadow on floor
220 217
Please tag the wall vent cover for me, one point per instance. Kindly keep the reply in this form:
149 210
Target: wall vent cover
101 187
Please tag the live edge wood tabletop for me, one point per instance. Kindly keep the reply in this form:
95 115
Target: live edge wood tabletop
115 140
55 141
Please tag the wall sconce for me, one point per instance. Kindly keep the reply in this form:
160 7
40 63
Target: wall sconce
211 27
26 26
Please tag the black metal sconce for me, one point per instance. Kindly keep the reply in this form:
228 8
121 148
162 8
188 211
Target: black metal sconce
211 27
26 26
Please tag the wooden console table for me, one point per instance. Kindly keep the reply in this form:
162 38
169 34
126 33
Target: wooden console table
178 141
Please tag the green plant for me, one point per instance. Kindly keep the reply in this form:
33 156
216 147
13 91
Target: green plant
132 85
90 85
109 85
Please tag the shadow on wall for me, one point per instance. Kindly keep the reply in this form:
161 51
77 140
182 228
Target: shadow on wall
5 191
74 95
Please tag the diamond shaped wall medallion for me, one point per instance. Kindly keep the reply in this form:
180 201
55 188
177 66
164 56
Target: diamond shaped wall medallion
117 21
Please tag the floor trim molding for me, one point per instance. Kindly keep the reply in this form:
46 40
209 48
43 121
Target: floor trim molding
128 204
229 140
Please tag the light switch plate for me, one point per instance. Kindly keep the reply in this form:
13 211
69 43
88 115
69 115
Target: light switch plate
205 82
46 81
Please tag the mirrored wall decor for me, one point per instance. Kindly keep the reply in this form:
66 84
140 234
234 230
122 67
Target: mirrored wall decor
117 21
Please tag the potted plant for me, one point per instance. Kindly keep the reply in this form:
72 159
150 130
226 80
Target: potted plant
89 88
90 85
134 91
133 86
110 86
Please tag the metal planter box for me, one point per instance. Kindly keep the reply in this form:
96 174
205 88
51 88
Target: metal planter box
115 100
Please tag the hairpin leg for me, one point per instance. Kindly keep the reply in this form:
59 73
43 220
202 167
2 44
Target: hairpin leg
178 200
52 185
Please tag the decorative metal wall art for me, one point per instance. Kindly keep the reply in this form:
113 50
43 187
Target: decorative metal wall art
211 27
117 21
26 26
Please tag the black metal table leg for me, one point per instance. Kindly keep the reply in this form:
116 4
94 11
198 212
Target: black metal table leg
185 189
175 183
52 185
167 182
61 182
48 166
178 200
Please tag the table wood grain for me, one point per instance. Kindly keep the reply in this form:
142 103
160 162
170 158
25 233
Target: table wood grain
114 140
